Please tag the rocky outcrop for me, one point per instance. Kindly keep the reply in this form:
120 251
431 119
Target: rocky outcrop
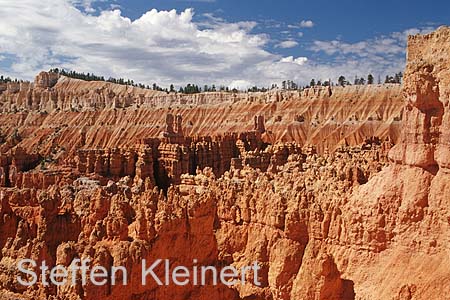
342 222
15 162
242 217
46 80
413 188
111 115
51 91
117 163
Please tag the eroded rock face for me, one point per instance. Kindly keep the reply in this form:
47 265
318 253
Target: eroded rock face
246 215
418 179
74 114
46 80
358 222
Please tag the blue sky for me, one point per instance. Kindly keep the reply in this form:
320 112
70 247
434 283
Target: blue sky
233 43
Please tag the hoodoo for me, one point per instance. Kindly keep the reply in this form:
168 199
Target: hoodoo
302 194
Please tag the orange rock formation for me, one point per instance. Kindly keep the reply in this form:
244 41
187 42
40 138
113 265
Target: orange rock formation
75 114
308 184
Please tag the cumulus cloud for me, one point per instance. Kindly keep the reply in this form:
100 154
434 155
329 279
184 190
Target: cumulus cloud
160 46
169 47
287 44
306 24
290 59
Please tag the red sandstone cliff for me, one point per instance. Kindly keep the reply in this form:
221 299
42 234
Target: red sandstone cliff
74 114
355 223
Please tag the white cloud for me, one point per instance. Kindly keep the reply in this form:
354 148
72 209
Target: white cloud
379 56
306 24
393 44
290 59
160 46
240 84
287 44
300 34
170 47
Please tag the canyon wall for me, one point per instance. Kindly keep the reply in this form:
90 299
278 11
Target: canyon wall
309 185
247 215
53 92
75 114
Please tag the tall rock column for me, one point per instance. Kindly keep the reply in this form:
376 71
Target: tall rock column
426 134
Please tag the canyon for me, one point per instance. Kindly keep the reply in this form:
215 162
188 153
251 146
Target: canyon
336 192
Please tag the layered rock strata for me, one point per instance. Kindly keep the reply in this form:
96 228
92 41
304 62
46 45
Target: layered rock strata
348 222
75 114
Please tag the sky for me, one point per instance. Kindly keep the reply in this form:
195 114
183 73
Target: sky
223 42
